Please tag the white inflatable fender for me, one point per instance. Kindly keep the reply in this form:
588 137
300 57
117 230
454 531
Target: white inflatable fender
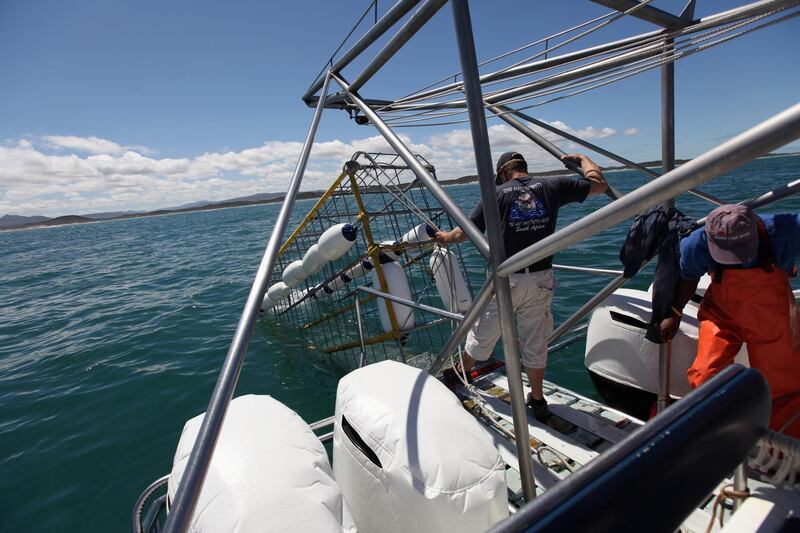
450 282
293 274
337 241
278 291
408 457
269 473
397 285
616 348
313 260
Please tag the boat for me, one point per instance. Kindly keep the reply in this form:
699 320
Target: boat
363 278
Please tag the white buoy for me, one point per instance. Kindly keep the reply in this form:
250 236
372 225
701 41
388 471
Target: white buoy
293 274
423 232
391 254
313 261
397 285
450 283
268 303
337 241
279 291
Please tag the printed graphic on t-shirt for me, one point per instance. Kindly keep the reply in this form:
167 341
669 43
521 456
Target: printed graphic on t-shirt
527 212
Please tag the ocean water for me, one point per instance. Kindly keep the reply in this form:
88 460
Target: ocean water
112 335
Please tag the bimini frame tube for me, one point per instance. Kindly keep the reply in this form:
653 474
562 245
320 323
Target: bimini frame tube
504 114
773 133
395 13
192 482
469 228
602 151
412 26
491 212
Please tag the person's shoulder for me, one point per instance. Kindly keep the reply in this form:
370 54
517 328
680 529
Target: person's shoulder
695 240
781 222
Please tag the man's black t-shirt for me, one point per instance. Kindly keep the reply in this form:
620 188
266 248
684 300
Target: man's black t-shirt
529 209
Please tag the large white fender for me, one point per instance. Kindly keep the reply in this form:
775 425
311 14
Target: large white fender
397 285
337 241
313 261
391 254
450 283
279 291
293 274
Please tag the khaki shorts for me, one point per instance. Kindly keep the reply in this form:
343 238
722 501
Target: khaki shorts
531 294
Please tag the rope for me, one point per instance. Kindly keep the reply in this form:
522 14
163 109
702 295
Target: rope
727 492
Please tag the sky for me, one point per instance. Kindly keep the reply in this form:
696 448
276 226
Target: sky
137 105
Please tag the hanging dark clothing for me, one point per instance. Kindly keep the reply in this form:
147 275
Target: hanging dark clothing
657 231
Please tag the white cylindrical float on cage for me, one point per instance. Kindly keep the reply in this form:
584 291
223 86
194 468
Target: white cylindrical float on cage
337 241
268 303
279 291
396 285
423 232
313 261
391 254
293 274
450 282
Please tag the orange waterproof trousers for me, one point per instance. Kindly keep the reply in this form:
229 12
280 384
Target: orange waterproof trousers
755 307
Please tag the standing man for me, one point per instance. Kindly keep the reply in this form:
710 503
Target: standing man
750 300
528 211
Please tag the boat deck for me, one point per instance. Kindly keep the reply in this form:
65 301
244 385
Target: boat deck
583 429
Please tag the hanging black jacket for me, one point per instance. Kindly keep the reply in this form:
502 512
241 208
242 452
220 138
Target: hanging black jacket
657 231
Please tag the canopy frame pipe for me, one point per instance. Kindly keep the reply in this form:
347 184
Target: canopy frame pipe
602 151
773 133
188 491
491 212
552 149
409 303
395 13
470 229
406 32
648 13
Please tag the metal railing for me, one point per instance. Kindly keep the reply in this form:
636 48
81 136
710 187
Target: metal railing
773 133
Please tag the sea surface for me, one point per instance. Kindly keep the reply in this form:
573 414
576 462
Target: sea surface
112 335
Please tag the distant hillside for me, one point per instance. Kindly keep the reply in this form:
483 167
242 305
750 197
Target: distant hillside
111 214
9 221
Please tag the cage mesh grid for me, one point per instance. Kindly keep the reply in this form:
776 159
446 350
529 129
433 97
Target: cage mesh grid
382 197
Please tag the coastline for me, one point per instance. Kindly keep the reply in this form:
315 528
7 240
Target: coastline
70 220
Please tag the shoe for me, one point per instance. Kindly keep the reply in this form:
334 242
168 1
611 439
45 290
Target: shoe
543 415
539 407
452 379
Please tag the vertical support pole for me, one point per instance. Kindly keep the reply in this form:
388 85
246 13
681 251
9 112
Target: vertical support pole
667 164
739 485
668 115
483 160
363 359
664 355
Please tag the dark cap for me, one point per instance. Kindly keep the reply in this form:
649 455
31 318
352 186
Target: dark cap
732 232
502 161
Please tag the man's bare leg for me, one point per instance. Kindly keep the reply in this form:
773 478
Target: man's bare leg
535 378
468 362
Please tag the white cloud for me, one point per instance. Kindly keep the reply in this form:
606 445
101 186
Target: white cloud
91 145
36 180
631 131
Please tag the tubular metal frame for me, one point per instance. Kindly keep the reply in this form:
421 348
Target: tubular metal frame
773 133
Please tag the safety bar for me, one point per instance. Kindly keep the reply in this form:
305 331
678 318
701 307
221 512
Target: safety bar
395 13
588 270
469 228
409 303
192 481
773 133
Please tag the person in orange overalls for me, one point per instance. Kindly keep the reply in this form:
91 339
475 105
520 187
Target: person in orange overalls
750 300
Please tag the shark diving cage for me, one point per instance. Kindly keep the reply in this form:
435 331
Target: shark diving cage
379 198
360 275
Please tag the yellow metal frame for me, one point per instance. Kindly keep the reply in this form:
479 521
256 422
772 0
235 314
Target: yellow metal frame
312 213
